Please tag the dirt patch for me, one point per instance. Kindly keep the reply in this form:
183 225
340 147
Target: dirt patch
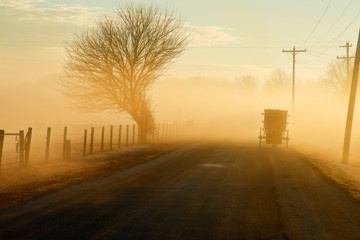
17 185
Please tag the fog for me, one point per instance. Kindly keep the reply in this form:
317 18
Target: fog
41 103
223 109
210 108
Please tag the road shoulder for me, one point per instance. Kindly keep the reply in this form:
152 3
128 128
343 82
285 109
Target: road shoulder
18 185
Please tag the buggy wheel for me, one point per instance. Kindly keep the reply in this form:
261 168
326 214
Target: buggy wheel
287 138
260 138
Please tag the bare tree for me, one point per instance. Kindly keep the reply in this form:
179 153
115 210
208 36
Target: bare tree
278 80
113 65
247 84
336 77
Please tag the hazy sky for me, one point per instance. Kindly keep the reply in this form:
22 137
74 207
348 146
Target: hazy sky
230 37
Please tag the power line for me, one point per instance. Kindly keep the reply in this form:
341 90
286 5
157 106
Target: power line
313 65
231 47
334 40
332 26
312 54
312 32
250 47
351 23
319 63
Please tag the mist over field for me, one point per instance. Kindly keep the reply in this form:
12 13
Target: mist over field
203 88
217 81
179 119
214 108
223 108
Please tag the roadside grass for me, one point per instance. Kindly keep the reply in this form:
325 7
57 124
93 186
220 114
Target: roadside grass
346 176
18 185
328 162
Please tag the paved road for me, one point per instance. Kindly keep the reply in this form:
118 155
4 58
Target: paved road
201 191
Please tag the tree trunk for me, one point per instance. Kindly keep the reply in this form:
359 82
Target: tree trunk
145 127
142 115
142 135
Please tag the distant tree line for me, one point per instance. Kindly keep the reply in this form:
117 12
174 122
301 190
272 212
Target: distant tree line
336 79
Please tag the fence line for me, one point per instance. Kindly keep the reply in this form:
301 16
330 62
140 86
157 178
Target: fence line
75 142
23 147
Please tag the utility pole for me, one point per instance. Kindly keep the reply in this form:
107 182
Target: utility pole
347 59
350 114
293 52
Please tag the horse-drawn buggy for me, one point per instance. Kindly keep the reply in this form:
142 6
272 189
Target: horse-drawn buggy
274 130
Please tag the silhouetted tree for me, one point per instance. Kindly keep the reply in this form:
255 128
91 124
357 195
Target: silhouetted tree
112 65
336 77
247 84
277 80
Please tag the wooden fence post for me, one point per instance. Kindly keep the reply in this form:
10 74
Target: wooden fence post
92 141
158 132
84 147
119 140
111 136
153 135
163 131
127 135
102 139
68 150
2 135
176 129
169 130
64 143
133 134
21 147
47 152
27 146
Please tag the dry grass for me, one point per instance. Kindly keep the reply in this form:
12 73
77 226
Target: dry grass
346 176
17 185
328 162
